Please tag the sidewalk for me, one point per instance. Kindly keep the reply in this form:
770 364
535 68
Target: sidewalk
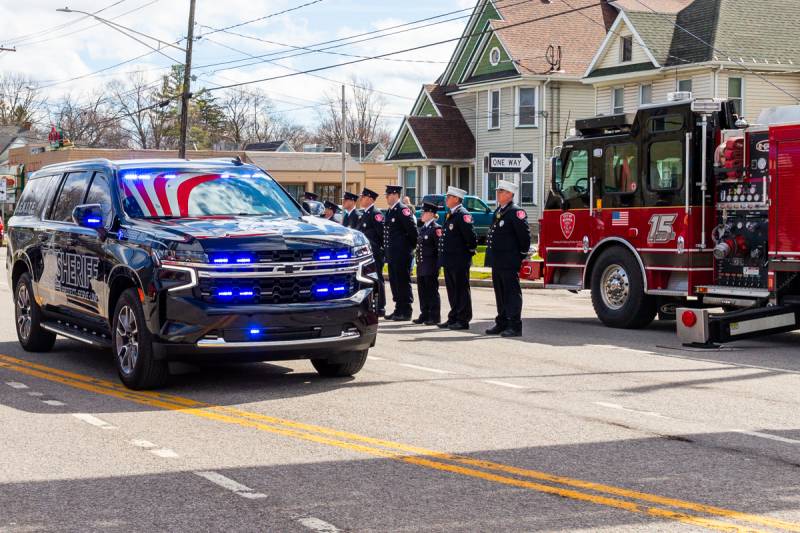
486 279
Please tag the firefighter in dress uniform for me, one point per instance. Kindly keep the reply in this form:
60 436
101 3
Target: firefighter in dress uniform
331 209
428 267
456 248
507 244
352 215
371 225
309 197
400 239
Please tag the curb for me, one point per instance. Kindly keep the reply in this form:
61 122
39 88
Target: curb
488 283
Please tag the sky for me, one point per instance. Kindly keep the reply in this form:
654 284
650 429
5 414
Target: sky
54 48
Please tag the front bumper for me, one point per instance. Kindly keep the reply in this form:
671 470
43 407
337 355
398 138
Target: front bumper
192 330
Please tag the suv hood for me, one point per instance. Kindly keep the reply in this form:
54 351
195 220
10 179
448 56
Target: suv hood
232 232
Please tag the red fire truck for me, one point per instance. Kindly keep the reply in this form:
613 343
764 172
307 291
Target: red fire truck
678 210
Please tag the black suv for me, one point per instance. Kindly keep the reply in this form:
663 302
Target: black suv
170 260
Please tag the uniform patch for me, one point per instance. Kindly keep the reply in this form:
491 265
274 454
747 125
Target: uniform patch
407 212
438 232
378 217
468 219
521 214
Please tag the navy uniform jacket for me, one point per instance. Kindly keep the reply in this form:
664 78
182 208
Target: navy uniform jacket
352 219
400 232
371 225
459 240
509 238
428 250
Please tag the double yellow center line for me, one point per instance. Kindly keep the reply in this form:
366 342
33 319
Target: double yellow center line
696 514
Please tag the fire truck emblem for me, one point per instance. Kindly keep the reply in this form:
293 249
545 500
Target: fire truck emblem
661 229
567 224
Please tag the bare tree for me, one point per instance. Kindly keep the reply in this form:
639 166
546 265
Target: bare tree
20 101
137 105
249 117
364 111
89 121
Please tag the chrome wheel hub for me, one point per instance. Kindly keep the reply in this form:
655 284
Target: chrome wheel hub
126 340
615 287
23 305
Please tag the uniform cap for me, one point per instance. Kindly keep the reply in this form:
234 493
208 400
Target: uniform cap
394 189
310 196
455 191
370 193
332 206
428 207
510 186
350 196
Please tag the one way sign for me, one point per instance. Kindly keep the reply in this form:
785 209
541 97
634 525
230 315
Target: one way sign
511 162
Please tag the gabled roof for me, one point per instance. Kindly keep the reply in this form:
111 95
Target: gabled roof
269 146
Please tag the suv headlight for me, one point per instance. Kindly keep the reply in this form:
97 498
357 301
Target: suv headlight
361 251
180 255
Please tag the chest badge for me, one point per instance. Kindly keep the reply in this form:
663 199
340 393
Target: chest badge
451 226
502 223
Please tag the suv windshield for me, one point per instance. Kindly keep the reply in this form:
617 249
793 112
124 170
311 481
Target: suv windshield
189 193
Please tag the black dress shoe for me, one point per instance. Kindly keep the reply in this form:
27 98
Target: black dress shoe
511 333
390 316
432 322
400 318
443 325
459 326
496 330
381 314
419 320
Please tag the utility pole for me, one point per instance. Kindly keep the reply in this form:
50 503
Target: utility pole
187 80
344 141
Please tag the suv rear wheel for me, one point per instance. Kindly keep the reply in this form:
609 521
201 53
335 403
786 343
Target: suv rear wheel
351 367
28 318
133 346
618 295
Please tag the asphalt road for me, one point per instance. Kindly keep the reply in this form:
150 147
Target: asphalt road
572 427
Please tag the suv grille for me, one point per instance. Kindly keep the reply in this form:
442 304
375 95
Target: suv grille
277 290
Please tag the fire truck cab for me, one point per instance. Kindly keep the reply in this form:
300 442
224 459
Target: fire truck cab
671 208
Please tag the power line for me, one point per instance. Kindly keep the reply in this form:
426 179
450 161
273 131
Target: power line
265 17
20 38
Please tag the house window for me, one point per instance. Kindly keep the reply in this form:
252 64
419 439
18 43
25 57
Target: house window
491 187
494 56
410 183
736 94
685 86
331 193
494 110
618 100
431 180
294 190
626 48
646 94
527 98
527 188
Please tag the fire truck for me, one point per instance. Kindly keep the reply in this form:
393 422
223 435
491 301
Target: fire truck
681 211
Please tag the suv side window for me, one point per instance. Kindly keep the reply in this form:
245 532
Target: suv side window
475 206
34 196
70 196
100 193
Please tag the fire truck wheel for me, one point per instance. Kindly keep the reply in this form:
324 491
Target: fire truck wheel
618 293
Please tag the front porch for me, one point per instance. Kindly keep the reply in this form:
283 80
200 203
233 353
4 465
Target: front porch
421 178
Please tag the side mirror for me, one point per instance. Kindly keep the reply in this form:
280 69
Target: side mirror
89 216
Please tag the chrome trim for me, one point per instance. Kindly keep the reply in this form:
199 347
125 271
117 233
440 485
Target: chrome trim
72 336
667 292
272 274
220 343
733 291
192 277
295 264
565 287
360 272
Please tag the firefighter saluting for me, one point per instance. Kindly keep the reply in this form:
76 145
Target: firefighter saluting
456 248
400 239
428 267
371 225
507 244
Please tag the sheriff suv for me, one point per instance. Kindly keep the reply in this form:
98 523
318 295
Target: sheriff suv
170 260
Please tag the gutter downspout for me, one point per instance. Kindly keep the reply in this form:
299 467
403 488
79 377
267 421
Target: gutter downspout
542 166
716 80
477 131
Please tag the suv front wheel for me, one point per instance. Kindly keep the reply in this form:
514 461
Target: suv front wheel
133 346
28 318
355 362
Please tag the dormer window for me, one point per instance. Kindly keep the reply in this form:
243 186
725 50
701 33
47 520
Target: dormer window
626 48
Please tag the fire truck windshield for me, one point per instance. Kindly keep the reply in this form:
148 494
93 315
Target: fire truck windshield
573 180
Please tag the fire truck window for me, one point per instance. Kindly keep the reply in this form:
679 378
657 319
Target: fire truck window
621 169
667 123
666 165
575 178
